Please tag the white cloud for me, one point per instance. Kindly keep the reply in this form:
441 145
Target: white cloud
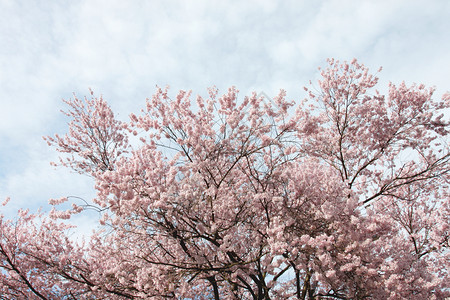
123 49
30 181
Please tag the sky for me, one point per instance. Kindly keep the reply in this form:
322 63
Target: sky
50 50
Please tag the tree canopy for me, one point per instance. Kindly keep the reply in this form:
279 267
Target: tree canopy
342 195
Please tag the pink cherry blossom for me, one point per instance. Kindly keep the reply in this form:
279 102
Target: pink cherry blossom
343 195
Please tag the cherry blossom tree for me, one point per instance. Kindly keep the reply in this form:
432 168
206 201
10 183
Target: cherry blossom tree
343 195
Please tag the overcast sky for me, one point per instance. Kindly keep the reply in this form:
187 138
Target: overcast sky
123 49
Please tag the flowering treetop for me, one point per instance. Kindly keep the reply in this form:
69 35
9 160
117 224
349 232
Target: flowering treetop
343 195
